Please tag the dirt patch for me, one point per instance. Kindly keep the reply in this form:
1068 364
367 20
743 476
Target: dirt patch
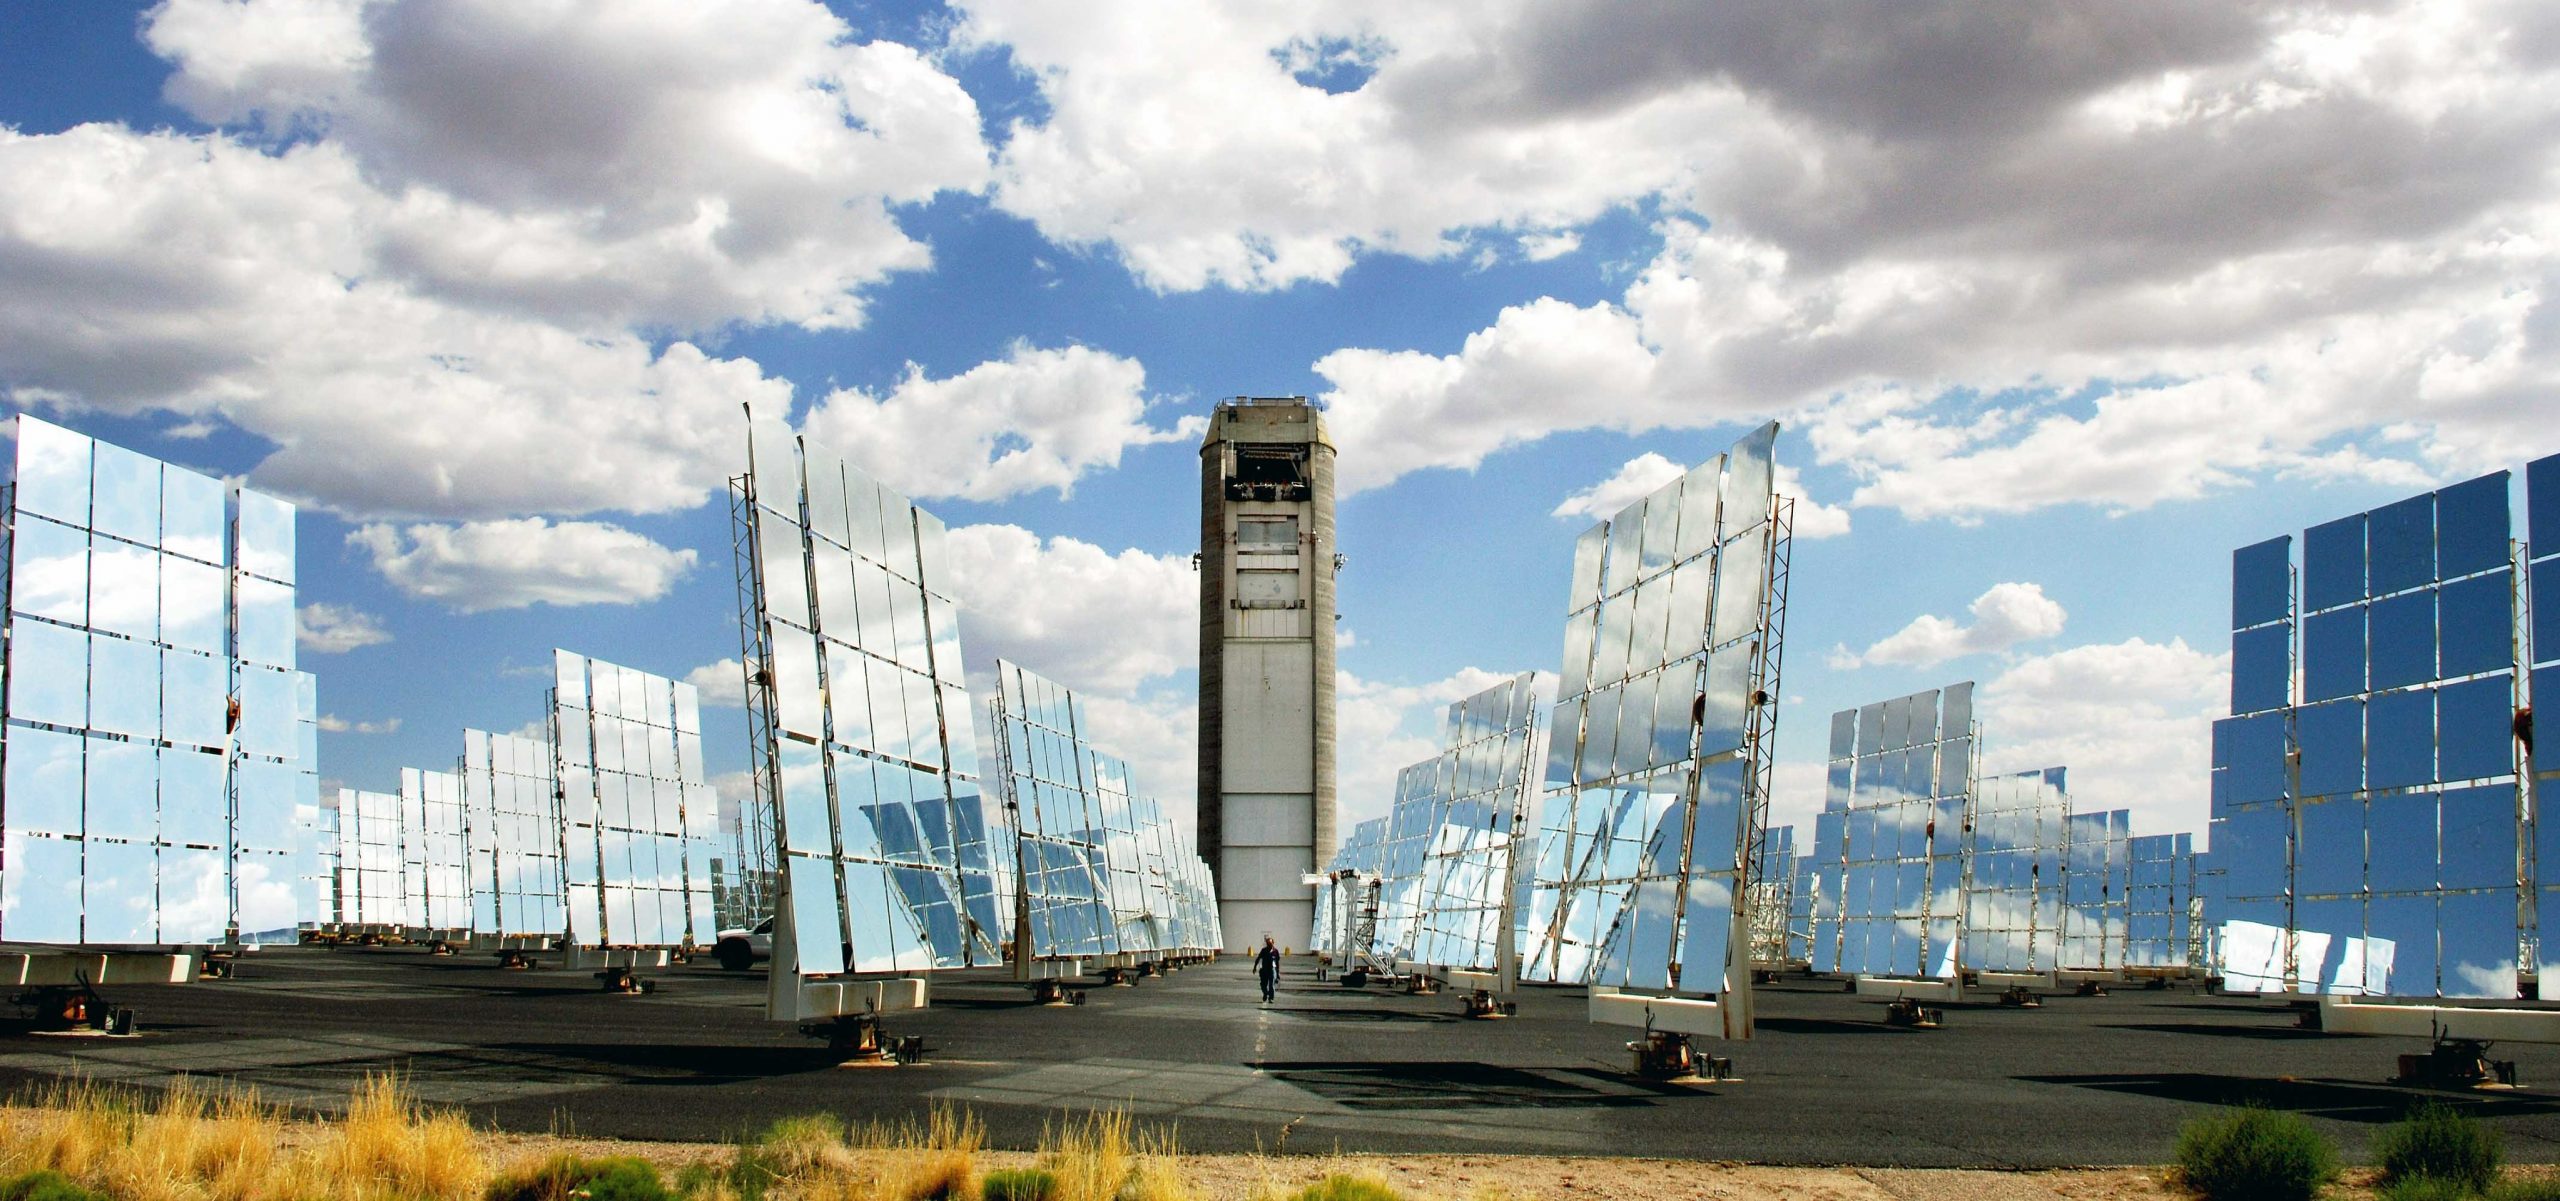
1512 1177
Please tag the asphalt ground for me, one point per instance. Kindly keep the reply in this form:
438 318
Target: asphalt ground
2081 1081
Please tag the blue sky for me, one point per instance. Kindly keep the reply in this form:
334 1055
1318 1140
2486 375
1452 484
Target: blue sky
483 285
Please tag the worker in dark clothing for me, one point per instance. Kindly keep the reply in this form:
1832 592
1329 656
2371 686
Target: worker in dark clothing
1266 965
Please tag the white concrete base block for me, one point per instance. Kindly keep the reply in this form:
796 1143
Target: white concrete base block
2348 1015
2013 980
1918 990
1675 1015
38 969
820 999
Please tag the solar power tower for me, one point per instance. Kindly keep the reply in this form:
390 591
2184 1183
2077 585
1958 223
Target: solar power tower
1267 567
2372 798
863 739
156 733
1657 767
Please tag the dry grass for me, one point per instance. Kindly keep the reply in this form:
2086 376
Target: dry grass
935 1162
199 1145
389 1147
188 1144
1089 1155
1158 1174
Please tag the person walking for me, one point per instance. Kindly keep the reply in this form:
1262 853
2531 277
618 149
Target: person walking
1266 965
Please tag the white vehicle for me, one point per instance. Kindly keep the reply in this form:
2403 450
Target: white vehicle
738 950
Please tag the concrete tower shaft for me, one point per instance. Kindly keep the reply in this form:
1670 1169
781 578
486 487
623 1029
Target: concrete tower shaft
1267 566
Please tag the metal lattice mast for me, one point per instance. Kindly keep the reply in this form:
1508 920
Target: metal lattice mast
1760 721
1020 948
756 819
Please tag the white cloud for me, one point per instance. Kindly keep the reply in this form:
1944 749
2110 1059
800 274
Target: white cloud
1375 723
2132 720
2178 249
326 629
1796 793
1099 623
438 242
1634 481
1187 141
1158 732
335 724
1813 519
671 165
1540 247
1032 420
722 684
484 565
2003 616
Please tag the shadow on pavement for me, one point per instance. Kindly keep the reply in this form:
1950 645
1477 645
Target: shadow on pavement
1364 1015
2345 1101
681 1063
1453 1084
2274 1033
1827 1026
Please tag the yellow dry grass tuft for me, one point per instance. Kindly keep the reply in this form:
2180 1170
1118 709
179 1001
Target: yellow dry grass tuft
73 1128
1089 1155
191 1144
1157 1175
389 1147
937 1161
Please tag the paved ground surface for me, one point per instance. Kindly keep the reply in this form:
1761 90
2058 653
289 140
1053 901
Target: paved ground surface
2080 1081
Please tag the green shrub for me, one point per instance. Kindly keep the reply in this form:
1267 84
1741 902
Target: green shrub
1348 1188
2424 1188
696 1179
569 1178
46 1185
2539 1189
2437 1142
1018 1184
2255 1155
803 1129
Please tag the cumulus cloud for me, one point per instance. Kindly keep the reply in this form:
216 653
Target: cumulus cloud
436 241
1096 621
1632 482
1385 727
722 684
676 165
1200 148
2132 720
484 565
1034 419
326 629
1813 519
335 724
1158 733
2175 249
2003 617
